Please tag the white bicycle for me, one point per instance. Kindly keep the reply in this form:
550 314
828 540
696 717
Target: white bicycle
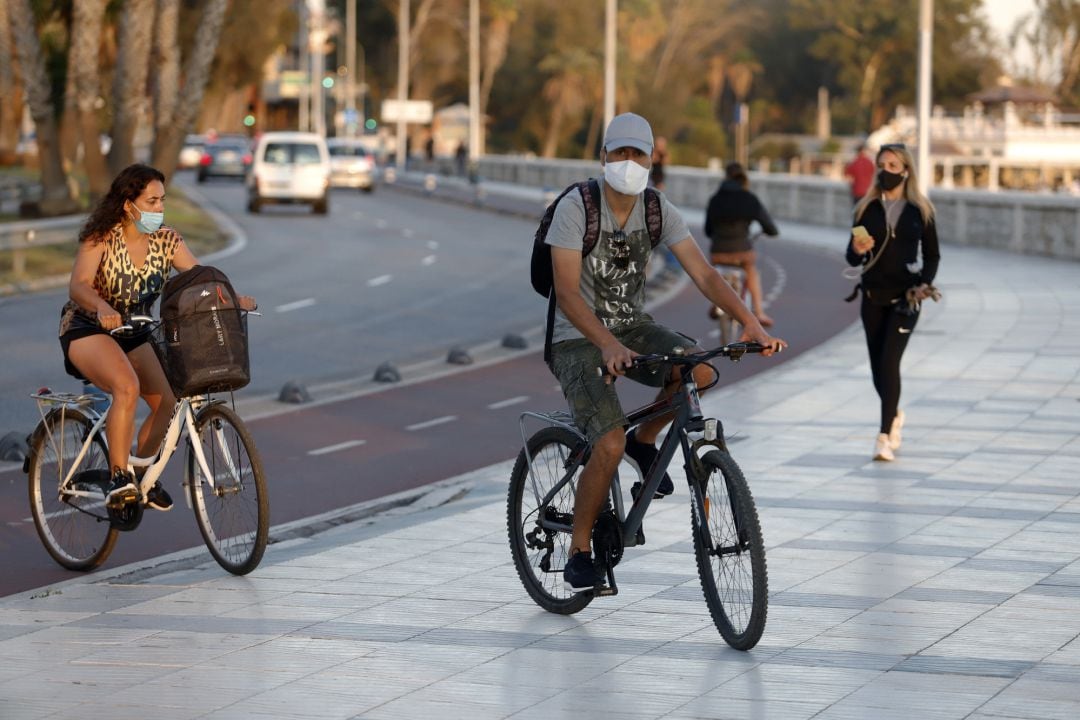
68 472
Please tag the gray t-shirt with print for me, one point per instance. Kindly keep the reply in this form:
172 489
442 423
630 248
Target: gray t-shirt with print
613 274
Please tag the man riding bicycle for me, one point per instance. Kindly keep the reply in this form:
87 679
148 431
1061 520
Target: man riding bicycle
731 211
600 321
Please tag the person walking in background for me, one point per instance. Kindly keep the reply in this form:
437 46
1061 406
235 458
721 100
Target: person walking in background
727 224
860 174
891 224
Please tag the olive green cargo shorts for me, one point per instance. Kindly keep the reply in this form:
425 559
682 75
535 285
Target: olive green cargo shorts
593 401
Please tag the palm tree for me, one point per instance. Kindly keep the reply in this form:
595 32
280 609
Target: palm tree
129 87
575 74
170 139
9 119
55 196
86 25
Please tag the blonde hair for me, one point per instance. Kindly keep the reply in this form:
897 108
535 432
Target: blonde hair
911 188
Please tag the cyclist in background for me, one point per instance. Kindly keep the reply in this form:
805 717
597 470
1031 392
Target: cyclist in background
727 224
125 255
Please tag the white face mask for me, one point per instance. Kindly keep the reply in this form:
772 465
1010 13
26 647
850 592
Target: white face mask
626 177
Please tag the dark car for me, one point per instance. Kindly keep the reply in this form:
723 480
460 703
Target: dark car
224 158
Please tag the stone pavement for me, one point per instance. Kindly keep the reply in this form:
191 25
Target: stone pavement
943 585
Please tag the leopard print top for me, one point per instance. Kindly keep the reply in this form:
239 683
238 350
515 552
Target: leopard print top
130 290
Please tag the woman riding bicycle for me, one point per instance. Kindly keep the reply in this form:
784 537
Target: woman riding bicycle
727 224
123 260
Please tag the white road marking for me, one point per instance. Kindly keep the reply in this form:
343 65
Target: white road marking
334 448
289 307
508 403
432 423
381 280
429 260
433 244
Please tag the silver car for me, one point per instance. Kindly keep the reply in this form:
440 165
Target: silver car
351 164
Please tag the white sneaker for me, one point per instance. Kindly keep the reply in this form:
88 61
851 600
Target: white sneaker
894 431
882 451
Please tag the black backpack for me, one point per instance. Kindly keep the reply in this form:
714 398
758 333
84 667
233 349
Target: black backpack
541 273
203 334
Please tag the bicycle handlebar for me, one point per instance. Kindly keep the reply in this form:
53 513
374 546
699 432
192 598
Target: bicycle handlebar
139 320
732 351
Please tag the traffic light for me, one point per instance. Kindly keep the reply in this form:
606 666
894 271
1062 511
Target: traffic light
328 82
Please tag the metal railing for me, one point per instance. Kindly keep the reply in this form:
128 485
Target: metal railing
20 236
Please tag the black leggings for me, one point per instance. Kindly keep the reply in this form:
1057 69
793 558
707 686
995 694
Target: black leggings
887 332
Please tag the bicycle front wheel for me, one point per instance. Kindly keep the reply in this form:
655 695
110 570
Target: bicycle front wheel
231 506
540 554
72 522
730 551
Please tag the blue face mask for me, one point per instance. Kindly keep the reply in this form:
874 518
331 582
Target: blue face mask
149 222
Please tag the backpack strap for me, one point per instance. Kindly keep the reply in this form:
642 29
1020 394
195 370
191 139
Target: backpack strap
654 217
590 196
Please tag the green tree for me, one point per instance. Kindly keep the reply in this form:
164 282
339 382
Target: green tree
872 48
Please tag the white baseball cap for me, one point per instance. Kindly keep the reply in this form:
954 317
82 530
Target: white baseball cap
629 130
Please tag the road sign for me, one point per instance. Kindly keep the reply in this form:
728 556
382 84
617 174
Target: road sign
412 111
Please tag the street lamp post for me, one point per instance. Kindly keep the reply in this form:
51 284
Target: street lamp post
610 22
403 79
926 39
474 81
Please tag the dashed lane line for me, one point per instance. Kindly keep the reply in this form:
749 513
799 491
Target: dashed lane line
432 423
507 403
334 448
381 280
428 260
289 307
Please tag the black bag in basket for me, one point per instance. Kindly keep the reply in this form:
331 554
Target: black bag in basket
203 345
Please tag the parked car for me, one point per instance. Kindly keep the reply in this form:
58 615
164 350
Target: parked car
289 167
351 164
192 151
229 157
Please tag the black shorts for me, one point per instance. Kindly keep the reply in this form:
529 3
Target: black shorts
81 327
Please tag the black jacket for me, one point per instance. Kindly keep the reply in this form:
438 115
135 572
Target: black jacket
890 276
728 218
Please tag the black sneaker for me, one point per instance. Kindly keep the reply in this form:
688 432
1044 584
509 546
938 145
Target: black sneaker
580 574
642 456
158 499
122 490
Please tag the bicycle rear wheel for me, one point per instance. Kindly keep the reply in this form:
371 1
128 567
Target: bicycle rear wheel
232 510
540 554
730 551
74 529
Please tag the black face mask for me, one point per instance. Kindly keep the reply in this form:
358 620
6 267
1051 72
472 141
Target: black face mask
889 180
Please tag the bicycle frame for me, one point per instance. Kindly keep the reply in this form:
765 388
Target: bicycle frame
183 419
686 405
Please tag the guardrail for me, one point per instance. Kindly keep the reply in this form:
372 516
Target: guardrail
22 235
1031 223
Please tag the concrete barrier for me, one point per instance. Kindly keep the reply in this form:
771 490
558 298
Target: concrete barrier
1030 223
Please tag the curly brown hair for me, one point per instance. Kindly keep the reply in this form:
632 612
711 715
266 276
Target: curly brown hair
127 185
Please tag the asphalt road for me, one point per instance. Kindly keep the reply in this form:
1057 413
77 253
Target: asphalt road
391 276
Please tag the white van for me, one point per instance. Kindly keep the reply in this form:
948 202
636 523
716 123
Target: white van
289 167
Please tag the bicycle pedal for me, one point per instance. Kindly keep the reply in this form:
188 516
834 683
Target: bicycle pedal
605 591
120 499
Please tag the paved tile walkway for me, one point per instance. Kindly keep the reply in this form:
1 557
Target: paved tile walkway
943 585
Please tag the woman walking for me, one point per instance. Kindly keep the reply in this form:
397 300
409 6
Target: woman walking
892 222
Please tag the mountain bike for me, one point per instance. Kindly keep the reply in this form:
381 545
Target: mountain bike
69 476
728 543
